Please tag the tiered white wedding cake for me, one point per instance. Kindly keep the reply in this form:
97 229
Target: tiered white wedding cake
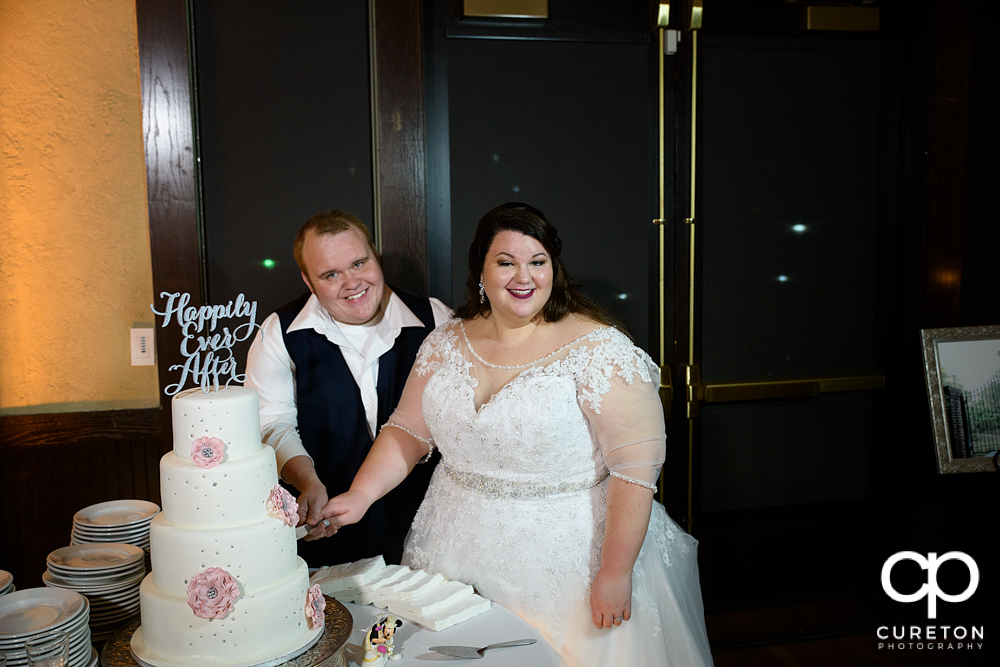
227 587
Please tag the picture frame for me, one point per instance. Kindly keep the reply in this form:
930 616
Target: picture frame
962 370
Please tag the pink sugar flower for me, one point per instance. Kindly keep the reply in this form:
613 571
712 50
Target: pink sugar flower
315 606
207 452
212 593
281 505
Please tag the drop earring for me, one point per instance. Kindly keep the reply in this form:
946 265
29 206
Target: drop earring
482 291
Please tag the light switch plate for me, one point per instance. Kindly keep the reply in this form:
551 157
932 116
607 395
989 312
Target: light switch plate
143 347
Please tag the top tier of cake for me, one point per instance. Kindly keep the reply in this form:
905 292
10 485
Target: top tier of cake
232 415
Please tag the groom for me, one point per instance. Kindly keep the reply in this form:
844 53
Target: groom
330 368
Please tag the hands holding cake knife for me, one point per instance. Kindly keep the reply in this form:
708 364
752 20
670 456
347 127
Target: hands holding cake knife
300 472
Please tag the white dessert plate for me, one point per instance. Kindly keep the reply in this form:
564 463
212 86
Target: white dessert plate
96 589
110 599
99 577
142 544
114 619
114 530
79 625
96 576
110 623
127 538
126 596
114 609
142 524
117 513
81 656
114 597
136 541
107 628
96 609
94 557
93 658
32 610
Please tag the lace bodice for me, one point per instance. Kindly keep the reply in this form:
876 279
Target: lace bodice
517 505
591 407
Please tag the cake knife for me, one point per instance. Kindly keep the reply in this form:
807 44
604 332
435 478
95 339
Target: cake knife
470 652
305 528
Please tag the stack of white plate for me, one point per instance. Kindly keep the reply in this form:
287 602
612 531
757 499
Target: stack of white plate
120 521
107 574
40 612
6 582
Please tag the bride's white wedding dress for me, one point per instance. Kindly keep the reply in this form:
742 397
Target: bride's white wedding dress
516 507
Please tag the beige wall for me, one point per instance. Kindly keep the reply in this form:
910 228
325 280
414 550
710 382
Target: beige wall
74 235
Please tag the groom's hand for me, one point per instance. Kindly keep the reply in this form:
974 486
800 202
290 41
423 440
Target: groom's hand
300 472
311 503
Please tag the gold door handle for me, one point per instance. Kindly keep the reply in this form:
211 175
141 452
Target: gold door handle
666 391
719 392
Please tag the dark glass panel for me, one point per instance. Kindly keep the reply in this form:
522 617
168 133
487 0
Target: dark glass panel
561 126
789 187
765 454
285 124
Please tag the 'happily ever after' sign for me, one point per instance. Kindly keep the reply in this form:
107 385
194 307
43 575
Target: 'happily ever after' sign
208 353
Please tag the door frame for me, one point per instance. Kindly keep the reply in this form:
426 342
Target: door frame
169 136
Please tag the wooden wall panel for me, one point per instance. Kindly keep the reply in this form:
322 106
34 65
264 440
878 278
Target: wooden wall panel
944 178
401 142
53 465
171 179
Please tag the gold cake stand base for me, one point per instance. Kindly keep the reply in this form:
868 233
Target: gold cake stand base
327 652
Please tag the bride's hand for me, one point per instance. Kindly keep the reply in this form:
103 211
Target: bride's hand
611 599
345 509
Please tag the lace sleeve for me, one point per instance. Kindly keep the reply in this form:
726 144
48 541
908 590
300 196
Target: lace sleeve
408 415
618 393
435 348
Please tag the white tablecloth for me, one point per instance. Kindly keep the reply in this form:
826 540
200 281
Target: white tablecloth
496 625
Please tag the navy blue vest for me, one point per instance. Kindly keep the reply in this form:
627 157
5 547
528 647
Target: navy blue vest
334 431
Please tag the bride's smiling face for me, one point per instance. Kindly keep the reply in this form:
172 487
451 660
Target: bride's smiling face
517 276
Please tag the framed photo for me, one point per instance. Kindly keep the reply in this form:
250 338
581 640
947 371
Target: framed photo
962 368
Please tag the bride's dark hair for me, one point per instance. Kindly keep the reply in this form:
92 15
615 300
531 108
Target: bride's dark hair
566 296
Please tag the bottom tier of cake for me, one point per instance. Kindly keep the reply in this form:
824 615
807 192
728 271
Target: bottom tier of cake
263 626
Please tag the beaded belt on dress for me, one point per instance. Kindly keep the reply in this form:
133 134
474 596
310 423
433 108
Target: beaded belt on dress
500 488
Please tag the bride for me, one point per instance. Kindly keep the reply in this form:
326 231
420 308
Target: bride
551 434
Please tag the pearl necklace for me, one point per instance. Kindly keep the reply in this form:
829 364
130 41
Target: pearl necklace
530 363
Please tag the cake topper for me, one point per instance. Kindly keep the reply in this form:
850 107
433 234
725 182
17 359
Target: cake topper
378 644
208 354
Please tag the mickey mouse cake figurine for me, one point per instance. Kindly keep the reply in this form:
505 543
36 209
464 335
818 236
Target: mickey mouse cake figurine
378 641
